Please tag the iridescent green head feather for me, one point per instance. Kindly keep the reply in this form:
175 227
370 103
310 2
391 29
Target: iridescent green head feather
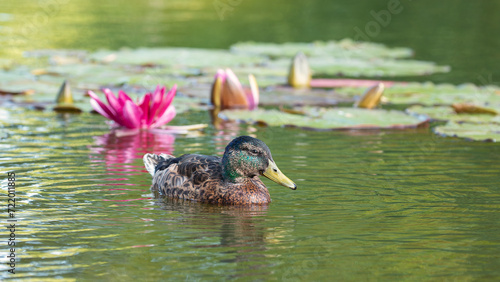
246 156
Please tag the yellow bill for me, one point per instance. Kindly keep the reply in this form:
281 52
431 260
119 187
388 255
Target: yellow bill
273 172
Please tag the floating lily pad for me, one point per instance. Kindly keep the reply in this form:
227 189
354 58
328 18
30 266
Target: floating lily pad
346 82
190 57
56 52
355 67
301 97
472 131
329 118
345 48
27 86
345 57
446 113
372 68
278 96
436 94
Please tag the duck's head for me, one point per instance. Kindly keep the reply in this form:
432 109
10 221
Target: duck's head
246 156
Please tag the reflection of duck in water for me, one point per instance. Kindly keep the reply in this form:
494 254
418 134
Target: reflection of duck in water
232 179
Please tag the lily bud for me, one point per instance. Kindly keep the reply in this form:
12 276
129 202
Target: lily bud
228 93
64 96
300 73
232 94
371 98
64 100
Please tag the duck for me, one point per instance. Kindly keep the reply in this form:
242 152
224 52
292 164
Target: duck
230 180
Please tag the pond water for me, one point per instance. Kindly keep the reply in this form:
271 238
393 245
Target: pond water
370 205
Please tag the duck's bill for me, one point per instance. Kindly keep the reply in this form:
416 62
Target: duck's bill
273 172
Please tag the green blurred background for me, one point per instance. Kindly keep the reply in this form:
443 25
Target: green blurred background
462 34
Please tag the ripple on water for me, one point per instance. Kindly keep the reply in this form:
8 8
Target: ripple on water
382 205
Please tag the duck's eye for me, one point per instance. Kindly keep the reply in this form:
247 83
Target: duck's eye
253 151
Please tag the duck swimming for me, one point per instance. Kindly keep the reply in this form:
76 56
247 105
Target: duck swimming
230 180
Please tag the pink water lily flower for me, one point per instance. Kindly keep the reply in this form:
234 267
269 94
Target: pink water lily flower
228 93
153 110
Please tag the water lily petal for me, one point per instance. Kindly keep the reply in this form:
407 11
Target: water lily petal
233 79
221 74
99 106
233 95
253 96
166 117
156 103
170 95
112 101
123 97
215 96
131 116
152 110
144 106
165 103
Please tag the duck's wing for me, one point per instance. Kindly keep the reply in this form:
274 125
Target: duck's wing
187 177
152 160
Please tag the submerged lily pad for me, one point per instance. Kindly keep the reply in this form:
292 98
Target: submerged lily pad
472 131
329 118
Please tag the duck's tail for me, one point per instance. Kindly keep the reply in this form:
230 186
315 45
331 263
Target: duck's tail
152 160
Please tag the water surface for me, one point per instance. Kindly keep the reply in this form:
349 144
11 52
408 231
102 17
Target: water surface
463 35
369 205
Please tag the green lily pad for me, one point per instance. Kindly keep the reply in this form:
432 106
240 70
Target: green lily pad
471 131
345 48
430 94
344 57
354 67
373 68
56 52
279 96
329 118
446 113
21 80
189 57
93 75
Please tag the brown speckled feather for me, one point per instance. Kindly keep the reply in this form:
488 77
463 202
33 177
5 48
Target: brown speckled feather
199 178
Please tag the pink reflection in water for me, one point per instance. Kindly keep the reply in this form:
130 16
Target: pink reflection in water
120 148
122 152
